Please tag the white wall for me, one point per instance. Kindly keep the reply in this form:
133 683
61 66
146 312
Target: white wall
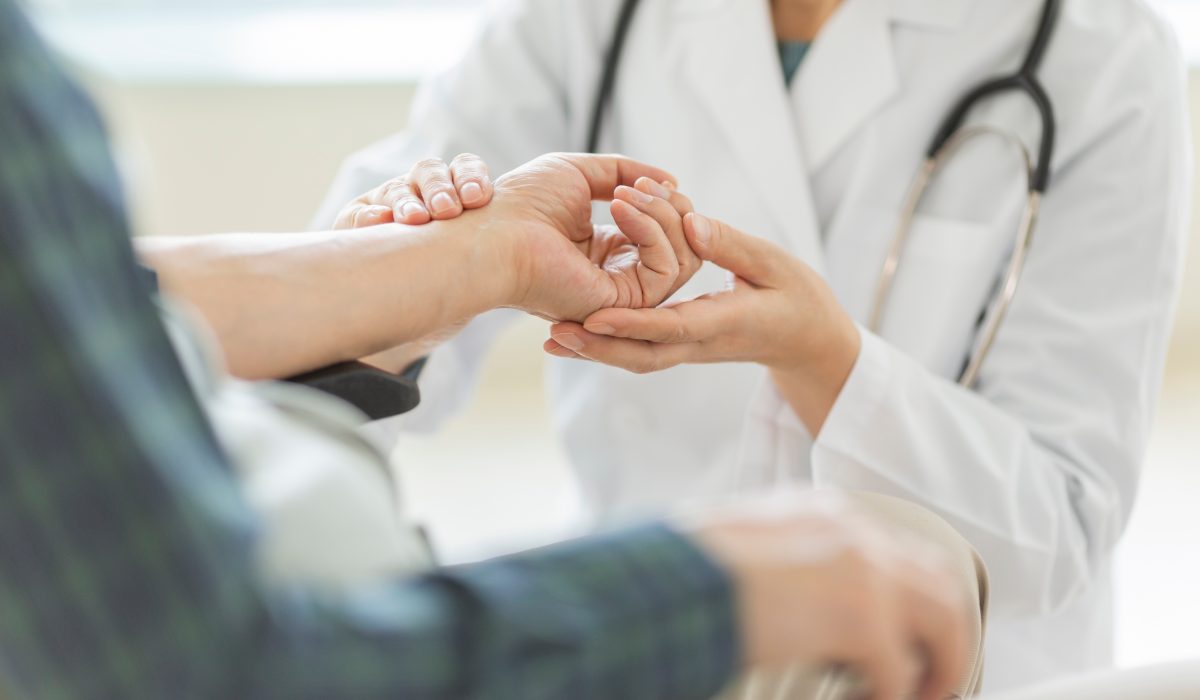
205 158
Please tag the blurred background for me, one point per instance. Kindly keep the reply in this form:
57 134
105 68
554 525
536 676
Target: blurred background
234 115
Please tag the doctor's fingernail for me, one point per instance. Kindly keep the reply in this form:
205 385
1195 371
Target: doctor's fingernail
654 188
443 203
569 341
702 228
600 328
472 193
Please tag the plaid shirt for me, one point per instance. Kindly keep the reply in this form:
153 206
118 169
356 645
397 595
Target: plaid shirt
126 548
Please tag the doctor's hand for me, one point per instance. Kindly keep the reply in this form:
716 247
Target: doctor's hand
432 190
777 312
818 584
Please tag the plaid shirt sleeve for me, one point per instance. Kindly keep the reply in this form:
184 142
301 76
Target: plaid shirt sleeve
126 549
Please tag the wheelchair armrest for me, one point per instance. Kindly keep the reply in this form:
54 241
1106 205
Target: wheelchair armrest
376 393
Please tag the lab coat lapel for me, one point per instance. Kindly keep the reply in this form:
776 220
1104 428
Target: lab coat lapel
728 56
848 75
851 71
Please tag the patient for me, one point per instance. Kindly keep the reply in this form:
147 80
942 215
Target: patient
130 553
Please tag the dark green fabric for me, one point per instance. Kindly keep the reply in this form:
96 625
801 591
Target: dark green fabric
126 549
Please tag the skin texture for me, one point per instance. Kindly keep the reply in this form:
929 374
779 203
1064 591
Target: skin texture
450 189
884 606
777 312
282 304
645 258
801 20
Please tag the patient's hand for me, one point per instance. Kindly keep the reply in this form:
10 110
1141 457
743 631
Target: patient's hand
639 262
565 266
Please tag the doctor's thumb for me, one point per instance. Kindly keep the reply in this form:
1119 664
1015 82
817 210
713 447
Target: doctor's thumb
748 257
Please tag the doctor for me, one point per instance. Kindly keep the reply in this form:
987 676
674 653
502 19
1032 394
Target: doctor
1037 462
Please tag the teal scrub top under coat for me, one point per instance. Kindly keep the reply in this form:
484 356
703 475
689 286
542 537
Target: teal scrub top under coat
791 55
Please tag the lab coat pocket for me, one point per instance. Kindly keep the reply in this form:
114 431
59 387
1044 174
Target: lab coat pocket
947 274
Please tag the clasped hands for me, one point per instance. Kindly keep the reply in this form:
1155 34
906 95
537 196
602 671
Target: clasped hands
604 287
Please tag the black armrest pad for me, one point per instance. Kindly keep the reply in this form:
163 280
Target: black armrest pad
376 393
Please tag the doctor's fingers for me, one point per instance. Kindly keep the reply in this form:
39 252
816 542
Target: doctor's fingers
754 259
433 183
472 180
362 213
435 190
637 356
405 202
698 320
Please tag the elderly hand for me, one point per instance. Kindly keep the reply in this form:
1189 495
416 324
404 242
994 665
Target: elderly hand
777 312
819 584
640 262
561 266
567 267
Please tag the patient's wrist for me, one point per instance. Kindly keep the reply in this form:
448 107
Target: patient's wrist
473 271
490 261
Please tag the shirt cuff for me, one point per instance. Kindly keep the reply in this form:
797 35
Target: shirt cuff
148 277
649 614
853 413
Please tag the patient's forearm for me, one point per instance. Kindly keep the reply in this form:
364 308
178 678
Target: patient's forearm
282 304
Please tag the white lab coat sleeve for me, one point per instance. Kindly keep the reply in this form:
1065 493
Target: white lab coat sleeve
504 100
1039 467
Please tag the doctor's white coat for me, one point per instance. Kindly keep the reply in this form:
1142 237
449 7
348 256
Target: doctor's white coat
1038 468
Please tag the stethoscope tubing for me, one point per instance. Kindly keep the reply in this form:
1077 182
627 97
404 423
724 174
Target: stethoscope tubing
949 138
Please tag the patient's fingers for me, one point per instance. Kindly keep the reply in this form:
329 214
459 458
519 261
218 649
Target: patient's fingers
669 210
657 267
887 666
937 615
472 180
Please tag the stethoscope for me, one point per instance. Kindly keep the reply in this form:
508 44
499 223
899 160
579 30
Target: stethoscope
951 137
